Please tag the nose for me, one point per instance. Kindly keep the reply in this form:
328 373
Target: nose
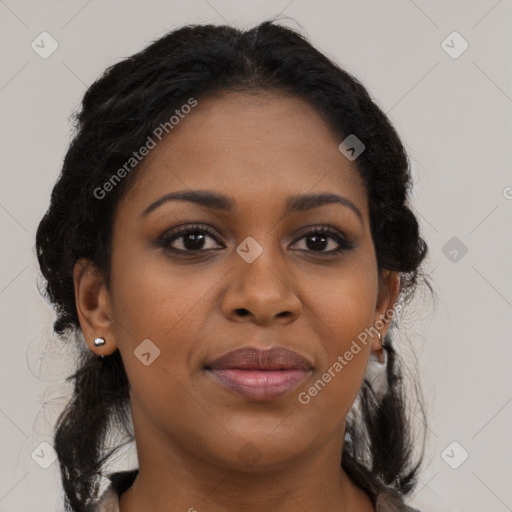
261 292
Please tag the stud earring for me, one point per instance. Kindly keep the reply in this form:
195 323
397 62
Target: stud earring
98 342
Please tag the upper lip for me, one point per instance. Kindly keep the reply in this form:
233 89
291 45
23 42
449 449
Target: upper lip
251 358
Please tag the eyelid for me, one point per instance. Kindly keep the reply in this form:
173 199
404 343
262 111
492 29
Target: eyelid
323 228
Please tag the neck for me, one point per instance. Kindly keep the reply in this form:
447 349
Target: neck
172 479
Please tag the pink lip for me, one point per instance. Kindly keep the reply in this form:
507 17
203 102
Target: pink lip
260 384
260 374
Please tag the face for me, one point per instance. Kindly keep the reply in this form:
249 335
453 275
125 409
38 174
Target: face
192 280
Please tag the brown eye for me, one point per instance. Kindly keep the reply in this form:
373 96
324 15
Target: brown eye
188 239
319 239
324 240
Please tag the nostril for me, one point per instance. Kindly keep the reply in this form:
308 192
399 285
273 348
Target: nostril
242 312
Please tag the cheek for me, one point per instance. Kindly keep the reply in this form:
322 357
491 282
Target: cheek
156 300
152 302
167 305
343 305
343 308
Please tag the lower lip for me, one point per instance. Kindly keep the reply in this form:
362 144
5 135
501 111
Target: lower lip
260 384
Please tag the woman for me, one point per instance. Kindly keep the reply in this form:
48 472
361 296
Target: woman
226 245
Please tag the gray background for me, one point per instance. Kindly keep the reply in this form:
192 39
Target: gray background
454 116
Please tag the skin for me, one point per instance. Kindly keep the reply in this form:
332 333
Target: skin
257 148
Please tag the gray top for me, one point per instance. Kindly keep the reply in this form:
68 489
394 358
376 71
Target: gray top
387 499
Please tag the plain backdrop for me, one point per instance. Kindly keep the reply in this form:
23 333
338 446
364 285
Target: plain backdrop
440 69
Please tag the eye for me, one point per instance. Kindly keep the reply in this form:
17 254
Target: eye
190 238
317 240
193 238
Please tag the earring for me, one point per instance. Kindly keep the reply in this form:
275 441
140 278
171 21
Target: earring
376 371
98 342
383 355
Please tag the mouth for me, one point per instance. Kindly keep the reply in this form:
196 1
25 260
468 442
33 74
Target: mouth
260 374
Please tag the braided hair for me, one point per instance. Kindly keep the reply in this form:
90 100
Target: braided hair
117 113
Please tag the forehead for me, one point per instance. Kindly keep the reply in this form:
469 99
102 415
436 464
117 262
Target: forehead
259 145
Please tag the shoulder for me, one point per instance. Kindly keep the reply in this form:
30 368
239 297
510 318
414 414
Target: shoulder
119 482
388 500
108 502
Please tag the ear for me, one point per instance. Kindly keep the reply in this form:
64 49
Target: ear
389 289
93 306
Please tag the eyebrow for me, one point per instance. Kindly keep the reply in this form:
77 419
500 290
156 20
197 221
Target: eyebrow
218 201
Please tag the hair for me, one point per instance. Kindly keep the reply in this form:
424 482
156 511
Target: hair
117 114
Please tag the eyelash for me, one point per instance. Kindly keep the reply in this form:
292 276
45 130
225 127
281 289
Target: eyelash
165 240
